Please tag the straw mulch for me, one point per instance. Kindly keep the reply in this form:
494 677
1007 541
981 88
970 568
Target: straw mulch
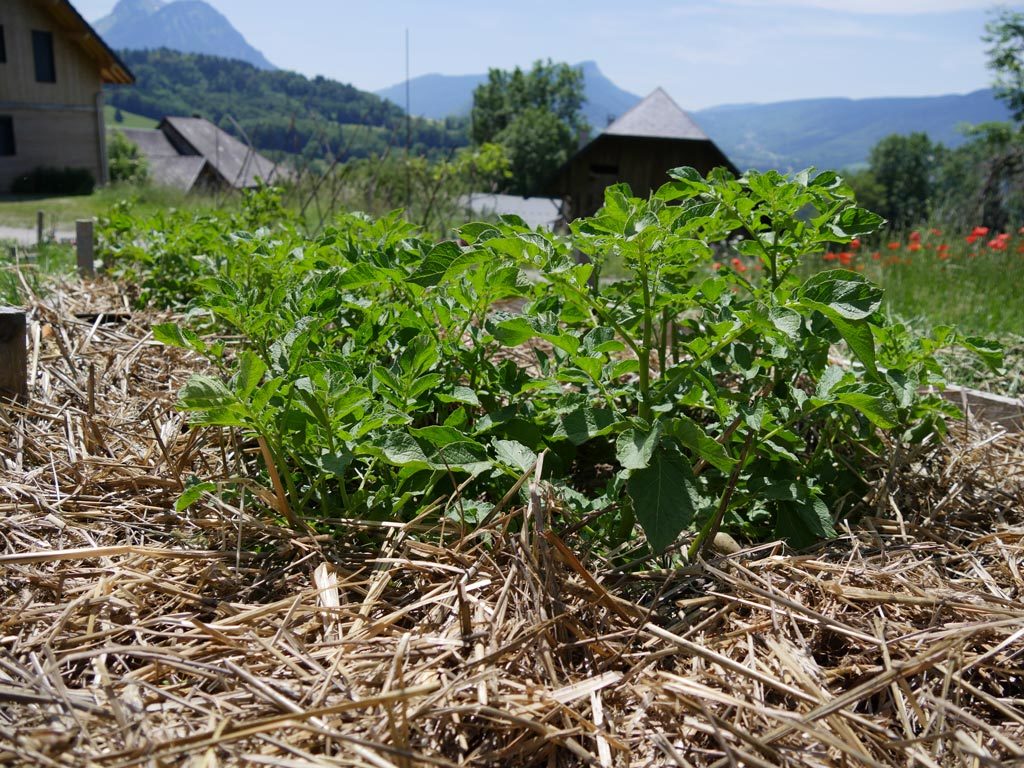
134 635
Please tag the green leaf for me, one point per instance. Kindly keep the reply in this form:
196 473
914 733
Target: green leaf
802 524
201 392
192 494
513 332
173 335
854 222
459 394
786 320
872 400
436 264
635 446
664 497
690 434
989 350
514 454
250 371
582 424
846 293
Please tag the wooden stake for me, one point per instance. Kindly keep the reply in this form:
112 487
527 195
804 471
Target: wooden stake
13 356
85 248
39 227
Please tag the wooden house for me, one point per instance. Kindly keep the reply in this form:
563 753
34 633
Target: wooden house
53 67
193 153
638 148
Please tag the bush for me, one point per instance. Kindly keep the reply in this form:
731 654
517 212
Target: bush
55 181
127 164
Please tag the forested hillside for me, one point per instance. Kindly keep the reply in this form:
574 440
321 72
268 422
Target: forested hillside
278 110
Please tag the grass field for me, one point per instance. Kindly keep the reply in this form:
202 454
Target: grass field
131 120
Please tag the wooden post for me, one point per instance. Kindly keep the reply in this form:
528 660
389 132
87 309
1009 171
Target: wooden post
84 247
39 227
13 355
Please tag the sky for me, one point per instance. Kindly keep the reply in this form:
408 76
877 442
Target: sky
703 52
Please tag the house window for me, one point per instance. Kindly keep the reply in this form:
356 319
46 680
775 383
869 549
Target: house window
3 46
6 135
42 50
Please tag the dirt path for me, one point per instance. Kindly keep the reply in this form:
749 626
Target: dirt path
27 235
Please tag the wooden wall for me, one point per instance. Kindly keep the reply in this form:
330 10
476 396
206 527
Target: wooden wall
58 139
640 162
78 76
55 124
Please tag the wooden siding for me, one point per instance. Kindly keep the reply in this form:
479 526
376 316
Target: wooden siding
643 163
78 77
54 138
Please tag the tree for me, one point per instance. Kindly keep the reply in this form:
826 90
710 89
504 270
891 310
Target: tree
127 165
1005 34
535 115
901 166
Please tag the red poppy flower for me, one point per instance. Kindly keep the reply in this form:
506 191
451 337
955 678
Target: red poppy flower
738 265
979 231
894 245
877 256
830 256
915 246
846 258
855 244
915 236
934 231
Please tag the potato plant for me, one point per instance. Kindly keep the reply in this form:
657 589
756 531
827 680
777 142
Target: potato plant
387 374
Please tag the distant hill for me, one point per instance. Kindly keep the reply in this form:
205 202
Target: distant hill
277 110
190 26
438 96
838 133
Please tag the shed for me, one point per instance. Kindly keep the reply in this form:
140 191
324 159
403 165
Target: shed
638 148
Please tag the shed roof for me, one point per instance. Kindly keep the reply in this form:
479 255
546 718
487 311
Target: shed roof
657 117
112 69
235 162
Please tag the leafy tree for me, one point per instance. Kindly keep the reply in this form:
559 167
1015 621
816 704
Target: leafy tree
1005 34
901 167
126 164
535 115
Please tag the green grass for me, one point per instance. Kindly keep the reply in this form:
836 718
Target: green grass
935 279
60 213
35 267
131 120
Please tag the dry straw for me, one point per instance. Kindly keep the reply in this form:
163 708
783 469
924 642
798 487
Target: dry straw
131 635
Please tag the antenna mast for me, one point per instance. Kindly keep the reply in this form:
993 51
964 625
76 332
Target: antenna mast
408 130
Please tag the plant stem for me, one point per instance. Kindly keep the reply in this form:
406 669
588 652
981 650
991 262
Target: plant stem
707 533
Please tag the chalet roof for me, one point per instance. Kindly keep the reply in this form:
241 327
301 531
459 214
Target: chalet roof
179 171
112 69
233 161
657 117
543 212
150 142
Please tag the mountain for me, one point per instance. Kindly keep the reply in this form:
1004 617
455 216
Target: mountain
438 96
277 110
838 133
190 26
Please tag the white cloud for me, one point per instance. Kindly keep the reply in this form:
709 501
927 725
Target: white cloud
882 7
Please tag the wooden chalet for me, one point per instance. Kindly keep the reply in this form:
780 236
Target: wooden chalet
53 66
193 153
638 148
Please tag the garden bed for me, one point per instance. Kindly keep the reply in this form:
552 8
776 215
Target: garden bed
136 635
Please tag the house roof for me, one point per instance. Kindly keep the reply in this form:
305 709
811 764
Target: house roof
543 212
657 117
179 171
150 142
239 165
112 69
